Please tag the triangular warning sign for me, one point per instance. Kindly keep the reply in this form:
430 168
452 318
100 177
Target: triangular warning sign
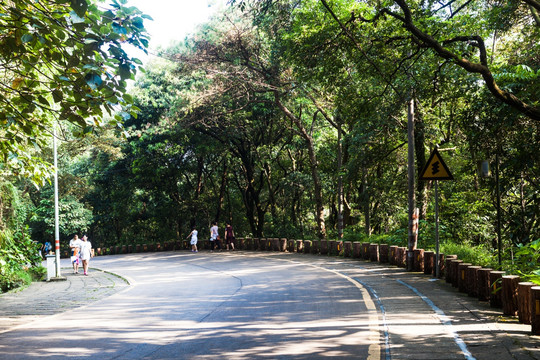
435 168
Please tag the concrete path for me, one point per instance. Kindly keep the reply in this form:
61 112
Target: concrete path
397 315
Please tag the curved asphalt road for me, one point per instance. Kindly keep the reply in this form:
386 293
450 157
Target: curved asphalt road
248 305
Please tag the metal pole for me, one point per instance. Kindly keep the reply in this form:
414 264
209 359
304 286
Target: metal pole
498 191
56 215
436 229
413 236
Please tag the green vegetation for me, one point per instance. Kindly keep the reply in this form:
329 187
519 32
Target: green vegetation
282 117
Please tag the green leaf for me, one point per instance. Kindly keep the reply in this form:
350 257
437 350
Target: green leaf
58 96
80 7
26 38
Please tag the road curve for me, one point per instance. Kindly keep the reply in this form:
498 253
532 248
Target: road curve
267 305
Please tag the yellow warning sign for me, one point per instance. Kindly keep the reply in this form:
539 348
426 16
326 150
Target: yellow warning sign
435 168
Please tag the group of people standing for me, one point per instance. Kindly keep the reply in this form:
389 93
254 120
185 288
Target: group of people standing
215 240
81 252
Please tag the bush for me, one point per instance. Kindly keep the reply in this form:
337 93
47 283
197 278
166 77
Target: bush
476 255
525 261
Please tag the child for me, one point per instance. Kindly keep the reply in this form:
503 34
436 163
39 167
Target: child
193 235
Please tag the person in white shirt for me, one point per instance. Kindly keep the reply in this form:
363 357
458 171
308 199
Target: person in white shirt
214 233
193 235
86 253
75 246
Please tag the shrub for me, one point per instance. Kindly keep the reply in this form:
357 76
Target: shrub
477 255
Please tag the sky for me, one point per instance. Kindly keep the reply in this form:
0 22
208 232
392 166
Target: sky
173 19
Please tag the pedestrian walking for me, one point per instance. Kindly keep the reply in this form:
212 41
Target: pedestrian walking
193 242
75 247
229 236
214 234
86 253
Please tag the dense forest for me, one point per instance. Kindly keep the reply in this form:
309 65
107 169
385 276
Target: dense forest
288 118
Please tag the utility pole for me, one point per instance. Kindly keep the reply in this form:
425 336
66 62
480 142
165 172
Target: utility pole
56 212
413 223
340 183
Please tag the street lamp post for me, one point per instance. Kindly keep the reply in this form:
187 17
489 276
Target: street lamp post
56 212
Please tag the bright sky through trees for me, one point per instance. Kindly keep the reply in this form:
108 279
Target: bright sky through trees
173 19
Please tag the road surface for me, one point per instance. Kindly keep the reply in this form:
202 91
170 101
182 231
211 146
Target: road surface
245 305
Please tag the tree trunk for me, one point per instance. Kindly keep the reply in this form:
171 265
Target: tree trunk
222 189
319 207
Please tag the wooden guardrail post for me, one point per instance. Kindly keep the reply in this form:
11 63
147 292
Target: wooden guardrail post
442 266
484 286
509 294
495 279
447 274
524 302
418 265
315 246
429 262
365 251
383 253
299 246
347 249
307 246
472 280
392 256
356 250
535 310
324 247
283 245
462 277
374 252
454 271
291 245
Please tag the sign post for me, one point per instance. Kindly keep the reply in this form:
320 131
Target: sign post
436 169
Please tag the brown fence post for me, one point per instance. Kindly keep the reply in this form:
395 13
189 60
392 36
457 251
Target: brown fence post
357 250
442 266
291 246
324 247
347 249
535 310
392 256
283 245
454 271
484 286
374 252
418 265
524 302
509 294
315 246
495 278
402 257
429 262
383 253
299 246
448 276
472 277
365 251
463 279
307 246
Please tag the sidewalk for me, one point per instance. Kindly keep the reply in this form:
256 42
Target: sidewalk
42 298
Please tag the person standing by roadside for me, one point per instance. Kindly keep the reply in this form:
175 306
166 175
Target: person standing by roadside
214 233
229 236
86 253
75 247
193 242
